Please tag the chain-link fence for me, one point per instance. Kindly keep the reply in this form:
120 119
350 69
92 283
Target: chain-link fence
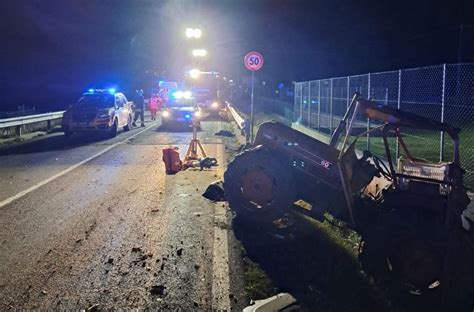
444 93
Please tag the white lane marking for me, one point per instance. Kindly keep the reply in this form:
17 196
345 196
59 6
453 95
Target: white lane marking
60 174
220 257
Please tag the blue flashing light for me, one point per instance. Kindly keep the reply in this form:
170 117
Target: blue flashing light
187 116
112 90
90 90
177 94
281 85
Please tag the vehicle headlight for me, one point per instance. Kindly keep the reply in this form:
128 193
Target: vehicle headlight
187 95
166 114
197 114
215 105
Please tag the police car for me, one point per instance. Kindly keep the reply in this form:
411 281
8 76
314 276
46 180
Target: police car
180 111
103 111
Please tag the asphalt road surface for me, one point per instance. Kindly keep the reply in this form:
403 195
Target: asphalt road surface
96 223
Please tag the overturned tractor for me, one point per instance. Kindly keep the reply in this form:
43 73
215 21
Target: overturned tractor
407 210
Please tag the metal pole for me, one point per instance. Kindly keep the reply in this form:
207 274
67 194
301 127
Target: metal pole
251 110
309 104
397 151
348 100
441 138
348 90
330 112
301 103
368 119
319 105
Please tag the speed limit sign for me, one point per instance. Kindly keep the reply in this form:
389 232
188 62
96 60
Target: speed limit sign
253 61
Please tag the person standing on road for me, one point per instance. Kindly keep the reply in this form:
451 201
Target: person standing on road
139 102
153 105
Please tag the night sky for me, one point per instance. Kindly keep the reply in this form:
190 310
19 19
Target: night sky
52 50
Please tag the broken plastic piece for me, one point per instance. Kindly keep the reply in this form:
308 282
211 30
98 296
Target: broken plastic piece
274 303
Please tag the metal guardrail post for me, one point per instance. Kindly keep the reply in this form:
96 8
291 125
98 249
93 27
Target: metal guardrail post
441 138
18 130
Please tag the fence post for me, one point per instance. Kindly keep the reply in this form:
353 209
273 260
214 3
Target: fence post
301 104
368 119
309 104
397 152
348 90
441 138
330 112
319 105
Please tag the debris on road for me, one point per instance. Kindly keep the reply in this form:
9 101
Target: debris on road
157 290
225 133
215 191
136 249
275 303
93 308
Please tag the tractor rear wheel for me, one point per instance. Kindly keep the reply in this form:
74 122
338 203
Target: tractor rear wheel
259 185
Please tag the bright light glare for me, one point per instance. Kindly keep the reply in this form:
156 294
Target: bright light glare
199 52
215 104
193 33
187 95
166 114
197 114
112 90
91 90
194 73
178 94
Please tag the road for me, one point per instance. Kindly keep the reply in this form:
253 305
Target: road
97 223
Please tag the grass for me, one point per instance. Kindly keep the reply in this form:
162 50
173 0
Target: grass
257 284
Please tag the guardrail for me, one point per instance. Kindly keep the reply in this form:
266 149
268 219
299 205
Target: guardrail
238 119
19 122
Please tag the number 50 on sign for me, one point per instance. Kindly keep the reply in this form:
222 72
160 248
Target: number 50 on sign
253 61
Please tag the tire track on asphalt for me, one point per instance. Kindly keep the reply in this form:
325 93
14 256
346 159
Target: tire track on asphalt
60 174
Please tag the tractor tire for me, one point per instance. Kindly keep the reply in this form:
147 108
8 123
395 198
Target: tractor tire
259 185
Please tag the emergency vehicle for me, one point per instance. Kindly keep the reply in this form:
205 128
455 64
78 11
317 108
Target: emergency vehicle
102 111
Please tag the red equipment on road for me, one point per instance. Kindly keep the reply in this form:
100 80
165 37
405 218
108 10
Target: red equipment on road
171 159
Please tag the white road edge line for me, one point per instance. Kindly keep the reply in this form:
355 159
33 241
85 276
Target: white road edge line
60 174
220 254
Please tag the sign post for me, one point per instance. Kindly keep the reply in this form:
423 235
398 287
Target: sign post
253 61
